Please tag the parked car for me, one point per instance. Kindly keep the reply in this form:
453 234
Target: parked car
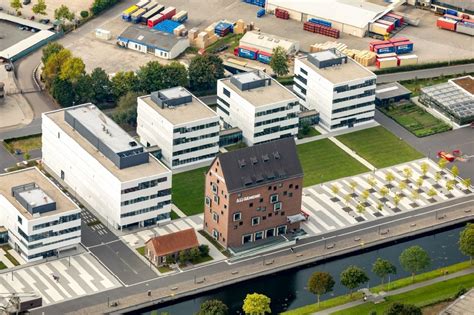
44 21
8 67
220 49
25 2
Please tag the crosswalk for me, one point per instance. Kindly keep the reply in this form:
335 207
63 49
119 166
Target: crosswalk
331 210
77 276
138 239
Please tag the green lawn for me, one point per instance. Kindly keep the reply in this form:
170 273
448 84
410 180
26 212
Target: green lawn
164 269
323 161
202 259
311 308
416 119
421 297
403 282
312 133
24 144
174 215
2 265
236 146
379 147
141 250
188 191
232 40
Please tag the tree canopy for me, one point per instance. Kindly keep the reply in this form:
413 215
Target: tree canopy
54 65
72 69
256 304
126 112
123 82
414 259
39 8
383 268
279 61
320 283
352 277
101 86
213 307
204 71
63 13
403 309
466 241
49 50
16 4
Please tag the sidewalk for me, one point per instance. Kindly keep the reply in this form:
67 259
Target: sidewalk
401 290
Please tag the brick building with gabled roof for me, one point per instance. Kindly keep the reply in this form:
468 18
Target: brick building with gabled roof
157 248
251 193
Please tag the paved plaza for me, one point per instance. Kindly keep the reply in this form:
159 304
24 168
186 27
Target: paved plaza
82 277
341 203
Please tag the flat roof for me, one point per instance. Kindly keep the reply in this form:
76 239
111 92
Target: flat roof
466 83
343 73
150 168
34 39
25 22
46 188
260 96
104 128
390 90
183 113
268 42
144 35
352 12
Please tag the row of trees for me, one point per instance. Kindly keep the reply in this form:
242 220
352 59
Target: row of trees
67 81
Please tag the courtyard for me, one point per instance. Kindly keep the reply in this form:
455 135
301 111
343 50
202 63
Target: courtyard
373 195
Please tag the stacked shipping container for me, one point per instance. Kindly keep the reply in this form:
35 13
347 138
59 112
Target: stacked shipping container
260 3
321 29
282 14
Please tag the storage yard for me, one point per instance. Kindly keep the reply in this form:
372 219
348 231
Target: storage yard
430 43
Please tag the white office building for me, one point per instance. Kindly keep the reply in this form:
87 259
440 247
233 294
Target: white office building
339 88
183 127
105 167
261 107
41 220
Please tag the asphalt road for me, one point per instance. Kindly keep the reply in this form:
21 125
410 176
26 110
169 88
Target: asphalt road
172 280
425 73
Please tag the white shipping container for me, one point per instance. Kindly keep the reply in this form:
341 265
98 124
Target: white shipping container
462 28
142 3
103 34
407 60
378 28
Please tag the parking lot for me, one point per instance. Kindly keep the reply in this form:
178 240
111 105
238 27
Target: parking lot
10 34
75 6
431 44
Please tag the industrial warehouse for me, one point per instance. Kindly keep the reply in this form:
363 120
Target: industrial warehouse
350 17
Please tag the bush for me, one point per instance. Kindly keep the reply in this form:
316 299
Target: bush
101 5
424 66
204 249
84 14
461 291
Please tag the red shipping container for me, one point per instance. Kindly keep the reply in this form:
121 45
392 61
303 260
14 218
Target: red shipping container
396 16
452 17
446 24
155 20
377 42
391 25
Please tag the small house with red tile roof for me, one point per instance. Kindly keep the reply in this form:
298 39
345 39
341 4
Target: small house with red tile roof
158 248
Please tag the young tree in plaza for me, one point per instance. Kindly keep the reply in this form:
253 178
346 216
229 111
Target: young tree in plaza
419 182
365 194
352 277
335 189
407 172
425 167
382 268
414 259
396 199
256 304
371 181
466 241
279 61
360 207
320 283
213 307
438 176
384 191
353 185
432 192
389 177
466 182
442 163
455 171
402 185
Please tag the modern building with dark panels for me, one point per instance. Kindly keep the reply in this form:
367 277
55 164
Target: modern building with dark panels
390 93
253 193
454 99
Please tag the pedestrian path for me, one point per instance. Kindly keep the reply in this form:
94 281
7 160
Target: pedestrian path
352 153
340 203
399 291
59 280
138 239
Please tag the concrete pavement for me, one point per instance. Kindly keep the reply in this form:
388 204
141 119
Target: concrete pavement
425 73
399 291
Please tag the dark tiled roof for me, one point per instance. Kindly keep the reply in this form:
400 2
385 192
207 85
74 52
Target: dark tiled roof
260 164
174 242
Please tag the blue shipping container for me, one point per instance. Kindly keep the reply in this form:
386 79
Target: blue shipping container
166 26
404 49
245 53
385 50
264 58
320 22
451 12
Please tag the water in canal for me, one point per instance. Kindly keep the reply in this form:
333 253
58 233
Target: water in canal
287 289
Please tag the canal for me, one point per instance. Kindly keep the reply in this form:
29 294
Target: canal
287 289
